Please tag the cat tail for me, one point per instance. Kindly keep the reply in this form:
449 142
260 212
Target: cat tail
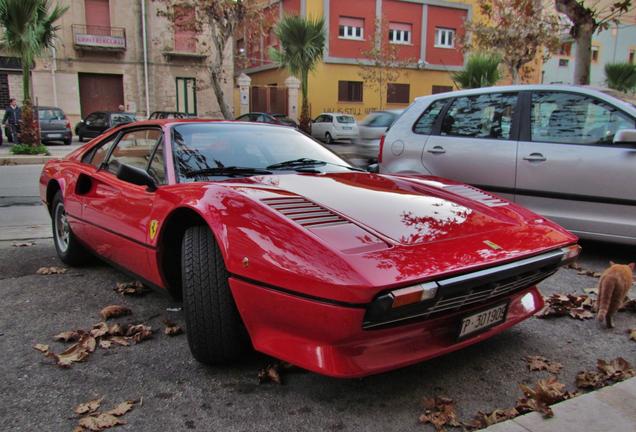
606 291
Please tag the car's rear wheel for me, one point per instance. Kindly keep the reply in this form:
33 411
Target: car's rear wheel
328 138
68 248
80 138
68 141
215 331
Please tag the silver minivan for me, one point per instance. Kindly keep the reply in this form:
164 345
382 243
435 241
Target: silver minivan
565 152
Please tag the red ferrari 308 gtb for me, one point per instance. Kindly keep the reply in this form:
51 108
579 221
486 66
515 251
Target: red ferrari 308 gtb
274 241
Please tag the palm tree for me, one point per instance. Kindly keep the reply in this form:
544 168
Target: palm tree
302 41
621 76
481 70
28 29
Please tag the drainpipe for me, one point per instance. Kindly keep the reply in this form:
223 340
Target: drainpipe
145 45
53 70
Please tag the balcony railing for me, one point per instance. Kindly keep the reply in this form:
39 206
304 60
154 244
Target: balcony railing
99 37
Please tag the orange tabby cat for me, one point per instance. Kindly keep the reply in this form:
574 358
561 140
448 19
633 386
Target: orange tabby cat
612 288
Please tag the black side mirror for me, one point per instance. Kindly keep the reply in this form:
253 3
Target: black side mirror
136 176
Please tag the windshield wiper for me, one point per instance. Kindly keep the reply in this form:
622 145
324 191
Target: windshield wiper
296 163
230 171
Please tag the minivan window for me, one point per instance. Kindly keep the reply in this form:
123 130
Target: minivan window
424 125
562 117
481 116
50 114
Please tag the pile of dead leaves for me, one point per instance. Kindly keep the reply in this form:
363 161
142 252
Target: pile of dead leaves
86 341
440 412
607 373
540 363
583 271
483 420
134 288
576 306
94 420
273 372
51 270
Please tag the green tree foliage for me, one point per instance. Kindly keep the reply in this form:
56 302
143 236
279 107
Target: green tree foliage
621 76
302 43
481 70
28 30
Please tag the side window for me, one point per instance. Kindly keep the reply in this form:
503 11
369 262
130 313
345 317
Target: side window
481 116
134 149
328 119
424 125
319 119
157 169
561 117
96 156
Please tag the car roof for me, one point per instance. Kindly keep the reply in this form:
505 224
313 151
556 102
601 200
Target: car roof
47 107
336 114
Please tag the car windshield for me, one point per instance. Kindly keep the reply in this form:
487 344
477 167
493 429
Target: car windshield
122 118
379 119
345 119
205 147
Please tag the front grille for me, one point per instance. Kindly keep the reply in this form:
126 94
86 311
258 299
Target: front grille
483 294
460 292
304 212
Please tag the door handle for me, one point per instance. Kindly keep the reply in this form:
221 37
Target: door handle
535 157
437 150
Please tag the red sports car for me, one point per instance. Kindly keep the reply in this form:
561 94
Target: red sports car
275 242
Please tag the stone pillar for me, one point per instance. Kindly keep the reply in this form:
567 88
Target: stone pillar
293 84
244 93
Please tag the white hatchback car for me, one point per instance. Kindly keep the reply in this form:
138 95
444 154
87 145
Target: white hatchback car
330 127
565 152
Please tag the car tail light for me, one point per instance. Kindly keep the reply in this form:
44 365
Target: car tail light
570 252
381 149
414 294
68 122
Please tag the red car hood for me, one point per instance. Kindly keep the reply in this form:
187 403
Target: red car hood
363 232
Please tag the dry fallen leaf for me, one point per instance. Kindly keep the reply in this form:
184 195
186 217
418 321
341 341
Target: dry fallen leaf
539 398
23 244
114 311
120 340
116 330
618 369
591 273
581 313
134 288
575 306
68 336
632 334
589 380
100 421
440 412
51 270
272 372
539 363
575 266
42 348
139 332
122 408
172 329
99 329
105 343
88 407
483 420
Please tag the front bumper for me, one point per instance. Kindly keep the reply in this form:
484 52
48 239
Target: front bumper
329 339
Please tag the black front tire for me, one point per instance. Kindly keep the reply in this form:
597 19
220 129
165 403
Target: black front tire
215 331
68 248
328 138
80 138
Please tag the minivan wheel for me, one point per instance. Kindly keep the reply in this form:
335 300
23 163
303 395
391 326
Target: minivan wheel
215 331
80 138
328 138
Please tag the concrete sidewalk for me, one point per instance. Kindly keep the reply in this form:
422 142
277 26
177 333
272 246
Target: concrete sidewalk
56 151
610 409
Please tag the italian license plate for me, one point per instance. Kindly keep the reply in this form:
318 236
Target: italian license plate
482 320
55 135
346 128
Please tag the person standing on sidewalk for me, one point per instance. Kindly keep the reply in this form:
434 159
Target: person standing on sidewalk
11 120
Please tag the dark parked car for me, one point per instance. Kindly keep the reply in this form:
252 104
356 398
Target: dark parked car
98 122
261 117
168 115
54 125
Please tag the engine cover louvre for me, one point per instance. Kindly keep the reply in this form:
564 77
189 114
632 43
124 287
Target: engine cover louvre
304 212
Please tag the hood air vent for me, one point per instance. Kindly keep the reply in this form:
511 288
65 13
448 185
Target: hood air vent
305 212
476 195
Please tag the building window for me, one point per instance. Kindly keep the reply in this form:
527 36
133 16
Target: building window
565 49
631 57
564 62
441 89
400 33
595 51
350 91
97 14
184 31
444 38
398 93
187 95
351 28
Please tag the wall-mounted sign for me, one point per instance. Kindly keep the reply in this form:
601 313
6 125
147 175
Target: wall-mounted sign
83 39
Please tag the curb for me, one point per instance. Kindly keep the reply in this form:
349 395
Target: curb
26 160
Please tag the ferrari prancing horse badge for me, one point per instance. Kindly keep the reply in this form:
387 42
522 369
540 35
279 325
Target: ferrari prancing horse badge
153 228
